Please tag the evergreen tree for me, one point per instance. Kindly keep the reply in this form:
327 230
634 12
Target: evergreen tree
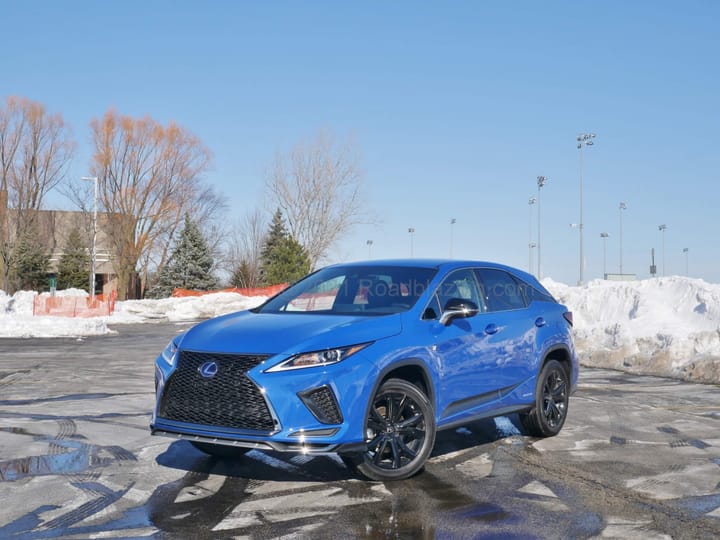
31 262
277 233
283 258
74 265
189 267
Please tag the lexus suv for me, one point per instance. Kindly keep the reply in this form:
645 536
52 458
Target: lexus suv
370 360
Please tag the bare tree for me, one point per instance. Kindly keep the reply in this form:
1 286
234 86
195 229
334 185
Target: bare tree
245 247
149 178
35 150
317 186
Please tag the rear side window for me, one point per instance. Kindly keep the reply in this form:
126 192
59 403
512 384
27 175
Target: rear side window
533 295
502 292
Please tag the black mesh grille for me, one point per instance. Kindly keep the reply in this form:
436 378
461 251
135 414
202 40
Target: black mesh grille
322 403
229 399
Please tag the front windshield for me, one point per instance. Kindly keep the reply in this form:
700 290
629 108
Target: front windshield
354 290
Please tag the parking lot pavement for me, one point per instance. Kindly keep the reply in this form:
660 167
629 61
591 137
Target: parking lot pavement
638 458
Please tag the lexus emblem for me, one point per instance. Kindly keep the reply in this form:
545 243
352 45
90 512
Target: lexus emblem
208 369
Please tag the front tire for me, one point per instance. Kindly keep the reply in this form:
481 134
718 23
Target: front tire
552 398
399 431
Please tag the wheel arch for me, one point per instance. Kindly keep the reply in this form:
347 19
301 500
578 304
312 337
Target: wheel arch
411 370
563 356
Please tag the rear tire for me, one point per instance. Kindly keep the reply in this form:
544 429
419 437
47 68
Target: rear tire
552 398
399 431
220 450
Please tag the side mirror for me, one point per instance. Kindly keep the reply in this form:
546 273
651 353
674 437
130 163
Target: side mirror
458 308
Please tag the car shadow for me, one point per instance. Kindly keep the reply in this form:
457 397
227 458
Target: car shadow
257 465
288 467
477 434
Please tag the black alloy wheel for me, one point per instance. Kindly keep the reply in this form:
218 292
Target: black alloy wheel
399 430
552 398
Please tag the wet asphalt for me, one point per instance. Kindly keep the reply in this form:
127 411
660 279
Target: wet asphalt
639 457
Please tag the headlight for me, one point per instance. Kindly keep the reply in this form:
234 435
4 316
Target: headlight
170 351
318 358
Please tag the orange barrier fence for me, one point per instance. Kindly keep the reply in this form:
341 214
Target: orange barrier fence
74 306
272 290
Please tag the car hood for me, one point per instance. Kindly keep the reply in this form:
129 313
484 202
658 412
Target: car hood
286 333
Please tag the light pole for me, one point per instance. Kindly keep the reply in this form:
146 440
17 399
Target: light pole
93 179
369 245
531 244
452 223
411 230
541 180
662 228
604 237
584 139
687 272
623 206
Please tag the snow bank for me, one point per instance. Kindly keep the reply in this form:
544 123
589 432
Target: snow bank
664 326
189 308
16 318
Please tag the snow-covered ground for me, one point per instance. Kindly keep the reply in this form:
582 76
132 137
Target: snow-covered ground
665 326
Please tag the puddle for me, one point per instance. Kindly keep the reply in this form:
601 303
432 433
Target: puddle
702 504
74 457
77 459
482 512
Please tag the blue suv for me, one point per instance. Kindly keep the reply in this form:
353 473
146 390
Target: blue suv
370 360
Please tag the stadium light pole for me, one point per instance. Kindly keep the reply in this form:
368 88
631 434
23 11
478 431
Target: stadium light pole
687 271
583 140
623 206
411 230
604 237
93 179
541 180
369 245
452 224
662 228
531 244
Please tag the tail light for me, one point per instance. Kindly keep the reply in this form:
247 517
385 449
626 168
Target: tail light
568 317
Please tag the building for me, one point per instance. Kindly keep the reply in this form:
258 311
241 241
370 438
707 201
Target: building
54 227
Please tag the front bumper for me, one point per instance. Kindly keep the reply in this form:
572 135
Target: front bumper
301 446
313 410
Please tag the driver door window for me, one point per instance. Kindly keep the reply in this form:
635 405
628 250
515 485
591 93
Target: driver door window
460 284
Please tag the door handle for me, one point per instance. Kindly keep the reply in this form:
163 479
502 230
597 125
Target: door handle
492 328
540 322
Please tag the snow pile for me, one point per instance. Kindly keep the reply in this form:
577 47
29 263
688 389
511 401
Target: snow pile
17 320
182 309
665 326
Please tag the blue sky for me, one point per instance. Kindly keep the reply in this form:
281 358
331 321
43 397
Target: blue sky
455 108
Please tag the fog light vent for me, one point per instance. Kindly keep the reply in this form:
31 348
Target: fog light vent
323 404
